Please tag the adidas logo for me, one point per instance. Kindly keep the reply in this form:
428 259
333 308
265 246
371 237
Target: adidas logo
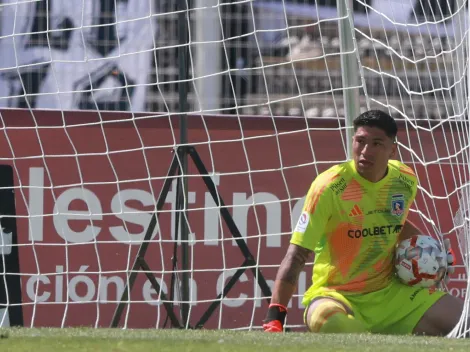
355 211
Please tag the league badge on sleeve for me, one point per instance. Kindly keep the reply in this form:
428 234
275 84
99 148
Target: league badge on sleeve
398 205
303 222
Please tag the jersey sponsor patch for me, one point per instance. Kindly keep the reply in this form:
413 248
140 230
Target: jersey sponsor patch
303 222
398 205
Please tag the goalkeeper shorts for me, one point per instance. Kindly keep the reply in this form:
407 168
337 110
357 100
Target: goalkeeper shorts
395 309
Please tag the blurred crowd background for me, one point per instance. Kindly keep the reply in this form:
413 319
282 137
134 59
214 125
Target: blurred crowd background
295 66
258 57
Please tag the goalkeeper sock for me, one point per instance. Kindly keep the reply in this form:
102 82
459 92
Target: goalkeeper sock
331 317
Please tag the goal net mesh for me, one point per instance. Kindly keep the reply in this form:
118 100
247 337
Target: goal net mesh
91 104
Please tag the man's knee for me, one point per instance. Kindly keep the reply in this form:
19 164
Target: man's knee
329 316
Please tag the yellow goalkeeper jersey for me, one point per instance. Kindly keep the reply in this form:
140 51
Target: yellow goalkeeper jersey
352 225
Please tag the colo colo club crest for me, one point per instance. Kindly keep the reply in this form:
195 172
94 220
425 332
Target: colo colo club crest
398 205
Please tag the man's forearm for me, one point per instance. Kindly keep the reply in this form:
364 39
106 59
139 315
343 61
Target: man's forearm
288 274
282 292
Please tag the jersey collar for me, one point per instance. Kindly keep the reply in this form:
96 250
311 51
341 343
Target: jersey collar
367 183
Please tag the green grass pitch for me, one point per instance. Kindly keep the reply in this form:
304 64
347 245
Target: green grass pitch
85 339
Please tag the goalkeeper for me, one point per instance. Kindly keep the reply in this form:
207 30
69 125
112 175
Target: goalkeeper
354 215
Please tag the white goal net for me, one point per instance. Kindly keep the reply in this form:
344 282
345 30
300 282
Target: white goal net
105 104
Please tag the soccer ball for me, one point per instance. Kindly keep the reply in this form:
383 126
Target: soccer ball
420 261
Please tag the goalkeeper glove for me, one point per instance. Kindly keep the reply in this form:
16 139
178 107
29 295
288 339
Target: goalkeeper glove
450 252
275 318
450 259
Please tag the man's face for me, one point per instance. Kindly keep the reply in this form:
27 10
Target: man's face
372 149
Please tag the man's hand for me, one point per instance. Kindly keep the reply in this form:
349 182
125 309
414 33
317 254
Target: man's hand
450 252
450 259
275 318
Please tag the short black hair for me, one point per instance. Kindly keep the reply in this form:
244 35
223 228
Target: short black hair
378 119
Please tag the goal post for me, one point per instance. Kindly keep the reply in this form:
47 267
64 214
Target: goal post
349 67
160 162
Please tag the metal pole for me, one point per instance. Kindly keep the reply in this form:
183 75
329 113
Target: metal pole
208 54
349 68
459 58
183 50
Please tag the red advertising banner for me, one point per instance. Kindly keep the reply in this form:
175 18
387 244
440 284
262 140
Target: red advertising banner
88 182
